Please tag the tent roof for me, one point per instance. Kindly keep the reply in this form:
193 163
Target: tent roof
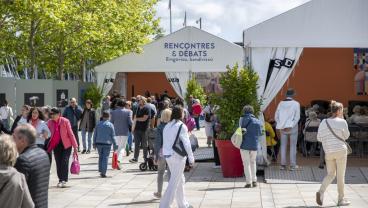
171 54
318 23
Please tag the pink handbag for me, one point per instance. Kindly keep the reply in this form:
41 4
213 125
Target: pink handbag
75 167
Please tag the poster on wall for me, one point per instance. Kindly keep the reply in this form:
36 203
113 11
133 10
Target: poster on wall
34 99
210 81
361 68
61 98
2 98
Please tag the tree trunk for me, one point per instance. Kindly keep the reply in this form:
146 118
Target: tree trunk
32 52
61 60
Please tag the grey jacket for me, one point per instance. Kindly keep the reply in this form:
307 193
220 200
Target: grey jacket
13 189
122 120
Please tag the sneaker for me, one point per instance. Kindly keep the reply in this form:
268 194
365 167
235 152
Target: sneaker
88 152
63 184
84 151
319 198
157 195
343 202
293 168
321 166
58 185
248 186
283 167
103 175
254 184
133 160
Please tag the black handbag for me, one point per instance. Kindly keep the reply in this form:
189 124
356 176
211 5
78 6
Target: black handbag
178 145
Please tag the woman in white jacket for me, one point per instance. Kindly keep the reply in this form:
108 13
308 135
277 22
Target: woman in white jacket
333 132
36 119
176 130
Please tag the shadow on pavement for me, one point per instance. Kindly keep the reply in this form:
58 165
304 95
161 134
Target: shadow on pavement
136 202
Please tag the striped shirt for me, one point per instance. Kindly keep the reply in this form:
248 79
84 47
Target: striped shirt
329 142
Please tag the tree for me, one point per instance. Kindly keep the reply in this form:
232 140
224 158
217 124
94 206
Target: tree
196 90
239 89
61 36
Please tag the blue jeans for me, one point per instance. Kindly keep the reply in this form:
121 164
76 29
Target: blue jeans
90 134
130 140
293 143
104 153
196 119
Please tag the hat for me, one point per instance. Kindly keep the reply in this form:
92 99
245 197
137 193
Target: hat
290 92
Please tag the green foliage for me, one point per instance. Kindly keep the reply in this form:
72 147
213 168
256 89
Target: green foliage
196 90
94 93
61 35
239 89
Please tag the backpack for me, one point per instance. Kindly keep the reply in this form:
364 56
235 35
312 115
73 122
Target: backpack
190 123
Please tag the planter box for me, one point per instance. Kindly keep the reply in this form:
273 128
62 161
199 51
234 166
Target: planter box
231 162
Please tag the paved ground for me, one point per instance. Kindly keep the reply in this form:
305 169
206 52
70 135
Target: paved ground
206 188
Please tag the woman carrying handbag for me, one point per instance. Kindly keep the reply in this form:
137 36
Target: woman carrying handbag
332 133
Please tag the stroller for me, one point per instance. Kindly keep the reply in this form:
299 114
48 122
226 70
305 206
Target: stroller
149 161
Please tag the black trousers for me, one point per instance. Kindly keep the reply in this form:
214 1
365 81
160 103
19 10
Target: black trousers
140 140
62 156
215 153
76 135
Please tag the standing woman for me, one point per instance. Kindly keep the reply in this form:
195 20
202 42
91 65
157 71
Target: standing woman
61 142
248 148
22 118
87 125
6 113
159 158
36 119
176 130
196 110
333 132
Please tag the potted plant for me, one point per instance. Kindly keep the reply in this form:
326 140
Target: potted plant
94 93
239 87
196 90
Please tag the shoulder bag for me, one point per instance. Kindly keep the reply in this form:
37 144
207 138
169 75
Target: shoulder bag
349 150
237 137
178 145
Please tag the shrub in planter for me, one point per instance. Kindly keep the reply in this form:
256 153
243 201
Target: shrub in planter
239 88
94 93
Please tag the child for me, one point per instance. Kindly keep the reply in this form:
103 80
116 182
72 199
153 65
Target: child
103 138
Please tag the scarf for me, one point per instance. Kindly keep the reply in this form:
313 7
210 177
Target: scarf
55 137
34 122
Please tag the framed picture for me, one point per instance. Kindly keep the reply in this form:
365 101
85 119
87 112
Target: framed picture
61 98
2 98
34 99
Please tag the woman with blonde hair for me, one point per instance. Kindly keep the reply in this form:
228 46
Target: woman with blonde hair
13 186
333 133
159 159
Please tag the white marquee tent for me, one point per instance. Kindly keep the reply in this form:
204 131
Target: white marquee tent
315 24
178 54
273 47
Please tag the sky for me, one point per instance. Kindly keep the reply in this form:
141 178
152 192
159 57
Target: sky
224 18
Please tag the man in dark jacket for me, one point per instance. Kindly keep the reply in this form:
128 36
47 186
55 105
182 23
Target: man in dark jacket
34 163
73 113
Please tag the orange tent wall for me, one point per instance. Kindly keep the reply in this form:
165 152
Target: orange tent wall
153 82
321 74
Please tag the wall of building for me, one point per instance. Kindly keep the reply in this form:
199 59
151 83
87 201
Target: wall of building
143 81
321 74
7 87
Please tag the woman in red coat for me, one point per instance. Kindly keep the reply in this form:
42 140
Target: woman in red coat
61 142
197 110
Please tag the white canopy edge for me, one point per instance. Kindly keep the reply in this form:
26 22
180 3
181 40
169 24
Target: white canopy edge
318 23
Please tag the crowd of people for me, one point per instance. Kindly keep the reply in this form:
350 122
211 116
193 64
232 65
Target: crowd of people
128 126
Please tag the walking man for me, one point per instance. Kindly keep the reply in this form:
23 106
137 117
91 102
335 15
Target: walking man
287 117
121 118
73 113
141 121
34 163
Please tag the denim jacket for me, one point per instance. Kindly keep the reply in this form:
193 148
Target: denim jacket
254 130
105 134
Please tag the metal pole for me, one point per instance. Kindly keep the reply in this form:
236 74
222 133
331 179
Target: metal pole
170 16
